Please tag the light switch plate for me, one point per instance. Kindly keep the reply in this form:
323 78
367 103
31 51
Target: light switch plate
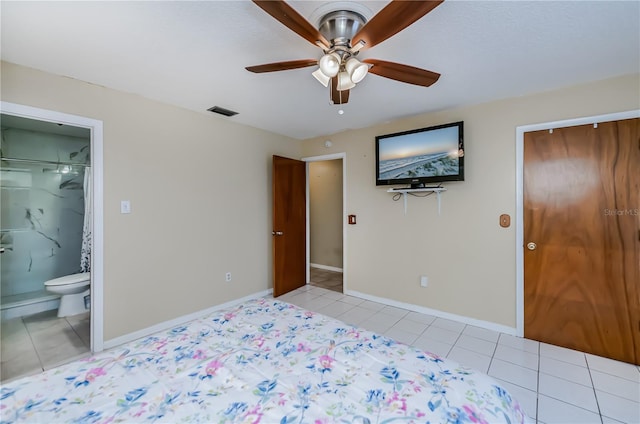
125 206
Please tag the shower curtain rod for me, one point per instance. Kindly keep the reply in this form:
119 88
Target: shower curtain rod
48 162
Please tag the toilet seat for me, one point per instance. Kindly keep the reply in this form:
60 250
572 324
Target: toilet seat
69 279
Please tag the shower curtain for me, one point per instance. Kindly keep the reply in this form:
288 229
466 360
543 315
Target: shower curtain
85 255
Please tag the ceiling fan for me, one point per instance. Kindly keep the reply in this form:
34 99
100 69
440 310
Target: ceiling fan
341 35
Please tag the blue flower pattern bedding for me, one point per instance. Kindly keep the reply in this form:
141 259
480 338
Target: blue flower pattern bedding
264 361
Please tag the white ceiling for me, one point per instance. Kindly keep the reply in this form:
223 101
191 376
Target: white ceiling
193 53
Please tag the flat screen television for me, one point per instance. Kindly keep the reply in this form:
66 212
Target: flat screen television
420 157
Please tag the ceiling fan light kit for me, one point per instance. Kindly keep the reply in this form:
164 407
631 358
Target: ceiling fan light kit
321 77
330 64
356 70
341 35
341 62
345 82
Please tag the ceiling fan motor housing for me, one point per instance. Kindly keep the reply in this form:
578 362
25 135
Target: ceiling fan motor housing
340 27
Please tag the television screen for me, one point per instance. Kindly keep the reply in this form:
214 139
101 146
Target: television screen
423 156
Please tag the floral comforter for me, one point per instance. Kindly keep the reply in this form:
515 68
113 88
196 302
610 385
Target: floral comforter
264 361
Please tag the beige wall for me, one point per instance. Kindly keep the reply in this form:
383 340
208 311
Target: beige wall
199 187
325 212
195 216
468 257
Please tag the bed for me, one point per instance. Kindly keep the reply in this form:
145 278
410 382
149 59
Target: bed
263 361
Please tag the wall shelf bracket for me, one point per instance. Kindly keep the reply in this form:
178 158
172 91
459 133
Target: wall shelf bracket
404 191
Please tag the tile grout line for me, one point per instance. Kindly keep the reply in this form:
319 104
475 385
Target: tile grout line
493 354
76 333
538 385
612 374
423 331
561 400
593 386
33 345
456 342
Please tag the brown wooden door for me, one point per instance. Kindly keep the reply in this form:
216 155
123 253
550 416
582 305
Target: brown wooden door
581 209
289 225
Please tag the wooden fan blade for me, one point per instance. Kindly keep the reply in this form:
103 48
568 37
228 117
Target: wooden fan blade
282 66
395 17
338 97
292 20
402 73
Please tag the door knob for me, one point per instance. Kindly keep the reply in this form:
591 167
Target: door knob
277 233
1 249
531 245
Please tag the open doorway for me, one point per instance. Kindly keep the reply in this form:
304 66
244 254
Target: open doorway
39 211
325 218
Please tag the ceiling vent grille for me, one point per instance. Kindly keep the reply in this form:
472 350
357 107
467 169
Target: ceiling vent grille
222 111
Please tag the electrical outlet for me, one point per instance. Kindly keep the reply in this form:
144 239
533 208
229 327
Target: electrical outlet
424 281
227 277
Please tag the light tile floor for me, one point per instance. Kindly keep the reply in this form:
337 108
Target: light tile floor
326 279
31 344
553 384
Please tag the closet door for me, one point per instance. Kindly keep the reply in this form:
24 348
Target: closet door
582 238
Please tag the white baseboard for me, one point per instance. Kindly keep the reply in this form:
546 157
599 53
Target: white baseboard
166 325
436 313
327 267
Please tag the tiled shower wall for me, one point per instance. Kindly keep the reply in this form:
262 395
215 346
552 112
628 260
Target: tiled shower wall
42 208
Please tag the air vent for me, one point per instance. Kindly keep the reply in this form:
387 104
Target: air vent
222 111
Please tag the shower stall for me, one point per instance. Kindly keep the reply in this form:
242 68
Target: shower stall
42 209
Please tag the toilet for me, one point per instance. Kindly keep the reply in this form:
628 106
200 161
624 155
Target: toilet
73 290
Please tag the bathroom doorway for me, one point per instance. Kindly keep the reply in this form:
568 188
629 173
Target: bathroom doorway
47 161
325 217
